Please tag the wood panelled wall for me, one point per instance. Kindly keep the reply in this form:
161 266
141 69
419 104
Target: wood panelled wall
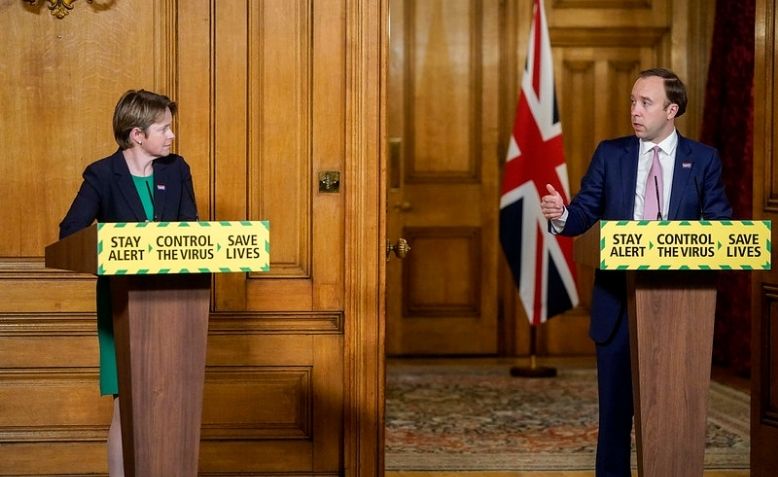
599 46
271 93
764 324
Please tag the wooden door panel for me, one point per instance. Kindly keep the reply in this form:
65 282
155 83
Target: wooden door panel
265 394
267 160
442 81
442 277
278 163
442 297
231 395
254 90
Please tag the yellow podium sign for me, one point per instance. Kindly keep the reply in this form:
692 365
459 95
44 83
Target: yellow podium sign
140 248
685 245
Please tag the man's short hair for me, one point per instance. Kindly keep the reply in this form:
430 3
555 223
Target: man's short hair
675 90
138 109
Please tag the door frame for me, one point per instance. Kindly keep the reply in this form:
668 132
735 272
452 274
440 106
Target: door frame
365 217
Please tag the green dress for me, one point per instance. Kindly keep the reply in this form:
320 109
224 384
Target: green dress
109 376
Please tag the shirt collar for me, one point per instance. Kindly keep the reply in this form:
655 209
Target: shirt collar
667 146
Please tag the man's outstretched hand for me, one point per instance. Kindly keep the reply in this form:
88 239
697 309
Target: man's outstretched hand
552 204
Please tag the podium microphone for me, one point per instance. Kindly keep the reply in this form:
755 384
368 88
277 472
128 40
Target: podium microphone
658 200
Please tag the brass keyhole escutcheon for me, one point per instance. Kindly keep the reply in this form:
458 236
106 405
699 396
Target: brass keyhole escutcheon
329 181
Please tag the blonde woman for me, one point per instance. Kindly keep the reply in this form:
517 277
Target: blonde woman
141 181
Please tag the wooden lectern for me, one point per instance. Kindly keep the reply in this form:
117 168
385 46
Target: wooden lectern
160 329
671 315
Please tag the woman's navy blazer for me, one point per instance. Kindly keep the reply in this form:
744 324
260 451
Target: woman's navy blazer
108 194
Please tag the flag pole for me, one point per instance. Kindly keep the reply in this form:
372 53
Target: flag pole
533 371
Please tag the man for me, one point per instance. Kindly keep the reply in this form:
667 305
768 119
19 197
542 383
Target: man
655 174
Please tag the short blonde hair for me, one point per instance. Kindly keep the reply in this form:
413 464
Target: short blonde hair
138 109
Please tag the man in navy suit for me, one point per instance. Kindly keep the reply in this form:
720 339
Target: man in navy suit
622 179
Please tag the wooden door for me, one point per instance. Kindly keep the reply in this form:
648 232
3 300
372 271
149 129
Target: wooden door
443 174
272 94
276 341
764 332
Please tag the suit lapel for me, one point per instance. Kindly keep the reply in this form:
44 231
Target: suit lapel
127 187
629 171
681 176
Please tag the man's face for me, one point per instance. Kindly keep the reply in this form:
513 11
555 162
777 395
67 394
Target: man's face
652 117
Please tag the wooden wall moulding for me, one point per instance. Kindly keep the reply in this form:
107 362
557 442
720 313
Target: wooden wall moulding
29 434
15 325
764 285
243 323
607 14
616 4
64 408
768 345
59 8
29 267
617 37
58 324
765 128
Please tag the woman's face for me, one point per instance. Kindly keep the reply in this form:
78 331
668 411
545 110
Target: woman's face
159 137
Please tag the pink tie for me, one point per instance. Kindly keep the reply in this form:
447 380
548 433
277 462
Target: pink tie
654 189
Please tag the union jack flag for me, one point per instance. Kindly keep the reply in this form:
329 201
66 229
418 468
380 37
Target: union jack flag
541 263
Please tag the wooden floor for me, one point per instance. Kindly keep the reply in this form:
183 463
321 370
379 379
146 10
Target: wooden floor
720 375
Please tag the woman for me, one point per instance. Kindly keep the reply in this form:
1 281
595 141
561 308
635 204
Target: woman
141 181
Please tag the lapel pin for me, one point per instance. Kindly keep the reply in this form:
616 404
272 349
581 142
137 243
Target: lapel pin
686 165
162 186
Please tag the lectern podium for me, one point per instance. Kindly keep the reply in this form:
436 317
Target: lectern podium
671 296
160 330
671 316
160 276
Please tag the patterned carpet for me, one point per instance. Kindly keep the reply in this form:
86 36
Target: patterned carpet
477 417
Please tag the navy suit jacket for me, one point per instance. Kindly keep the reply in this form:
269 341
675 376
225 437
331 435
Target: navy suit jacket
108 194
608 193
